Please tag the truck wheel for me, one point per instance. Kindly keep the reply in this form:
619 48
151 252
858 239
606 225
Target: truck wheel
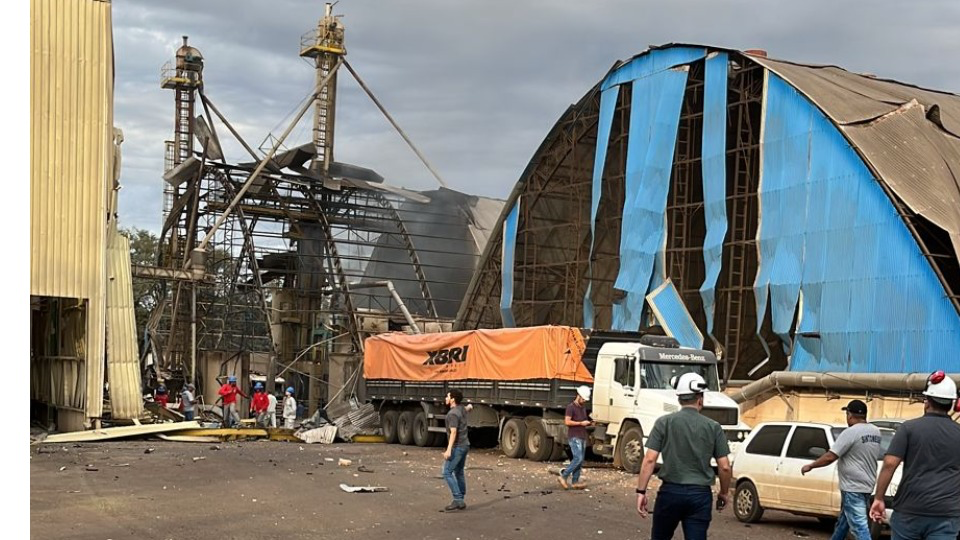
421 434
405 428
746 503
630 449
513 438
388 422
539 445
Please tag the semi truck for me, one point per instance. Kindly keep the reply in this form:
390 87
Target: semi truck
520 380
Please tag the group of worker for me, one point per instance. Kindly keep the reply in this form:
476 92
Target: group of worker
926 505
263 404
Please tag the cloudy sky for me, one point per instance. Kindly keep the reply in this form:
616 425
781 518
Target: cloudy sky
476 84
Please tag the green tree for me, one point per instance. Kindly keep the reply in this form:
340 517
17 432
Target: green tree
144 246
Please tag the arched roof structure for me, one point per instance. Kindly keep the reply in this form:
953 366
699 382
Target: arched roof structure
696 187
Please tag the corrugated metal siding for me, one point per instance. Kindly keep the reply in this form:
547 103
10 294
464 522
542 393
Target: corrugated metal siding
123 363
71 154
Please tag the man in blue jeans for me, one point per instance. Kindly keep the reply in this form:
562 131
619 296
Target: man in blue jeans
458 445
856 451
687 441
577 421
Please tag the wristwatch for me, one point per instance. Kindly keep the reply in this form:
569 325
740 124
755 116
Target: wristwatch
641 491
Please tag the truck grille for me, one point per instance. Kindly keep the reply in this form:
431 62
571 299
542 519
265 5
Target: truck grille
726 417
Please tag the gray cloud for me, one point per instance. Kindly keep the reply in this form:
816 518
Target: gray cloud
476 84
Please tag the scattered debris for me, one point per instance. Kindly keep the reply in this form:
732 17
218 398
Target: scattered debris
323 435
345 462
362 489
198 458
363 468
149 450
799 534
119 464
63 468
91 468
352 419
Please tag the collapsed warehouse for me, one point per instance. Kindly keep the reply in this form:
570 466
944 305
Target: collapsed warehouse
787 216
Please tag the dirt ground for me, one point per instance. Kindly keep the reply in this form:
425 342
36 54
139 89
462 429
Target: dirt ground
259 490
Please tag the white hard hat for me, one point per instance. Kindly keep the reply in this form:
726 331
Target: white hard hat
940 386
690 383
584 392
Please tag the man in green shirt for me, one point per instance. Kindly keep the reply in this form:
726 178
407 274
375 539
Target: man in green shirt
687 440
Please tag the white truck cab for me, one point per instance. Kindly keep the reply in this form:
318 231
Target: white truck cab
632 388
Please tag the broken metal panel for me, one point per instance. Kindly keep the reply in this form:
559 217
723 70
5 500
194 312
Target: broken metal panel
672 314
608 103
714 163
830 231
507 265
123 361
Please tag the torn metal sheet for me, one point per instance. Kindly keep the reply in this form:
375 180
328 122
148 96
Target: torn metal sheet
120 432
672 314
362 489
320 435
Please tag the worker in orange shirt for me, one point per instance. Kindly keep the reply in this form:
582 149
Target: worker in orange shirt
228 394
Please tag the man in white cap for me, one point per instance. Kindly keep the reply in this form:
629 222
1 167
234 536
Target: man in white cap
688 440
577 421
927 503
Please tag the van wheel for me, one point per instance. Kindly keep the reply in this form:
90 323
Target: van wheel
513 438
630 449
421 434
746 503
388 422
405 428
539 445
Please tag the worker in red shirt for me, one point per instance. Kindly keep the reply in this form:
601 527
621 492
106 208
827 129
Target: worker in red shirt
260 404
161 396
228 394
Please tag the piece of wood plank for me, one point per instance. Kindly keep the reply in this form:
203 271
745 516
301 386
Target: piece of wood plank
221 432
119 432
188 438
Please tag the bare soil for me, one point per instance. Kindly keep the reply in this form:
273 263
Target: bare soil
260 490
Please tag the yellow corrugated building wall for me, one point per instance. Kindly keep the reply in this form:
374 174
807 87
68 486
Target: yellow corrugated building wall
71 174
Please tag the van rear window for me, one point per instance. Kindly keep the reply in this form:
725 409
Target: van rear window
768 441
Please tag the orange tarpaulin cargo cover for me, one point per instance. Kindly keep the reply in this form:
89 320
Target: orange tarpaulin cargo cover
508 354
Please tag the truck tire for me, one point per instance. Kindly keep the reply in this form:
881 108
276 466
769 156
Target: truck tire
405 428
559 452
630 449
746 503
388 422
513 438
421 434
538 445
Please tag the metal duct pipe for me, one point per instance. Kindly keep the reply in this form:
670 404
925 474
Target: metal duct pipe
396 296
897 382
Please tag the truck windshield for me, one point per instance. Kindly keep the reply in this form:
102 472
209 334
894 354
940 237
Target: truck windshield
658 375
